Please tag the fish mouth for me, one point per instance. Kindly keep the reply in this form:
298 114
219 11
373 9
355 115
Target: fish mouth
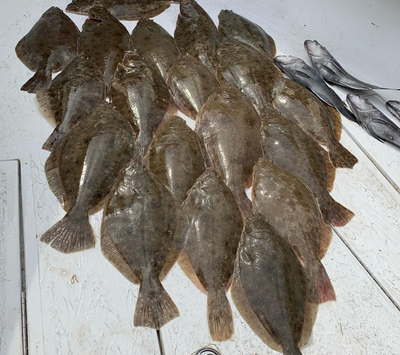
314 48
94 19
356 102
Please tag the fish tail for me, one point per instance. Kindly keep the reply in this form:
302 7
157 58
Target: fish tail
292 351
335 214
348 114
219 314
154 306
40 81
323 284
340 157
71 234
53 140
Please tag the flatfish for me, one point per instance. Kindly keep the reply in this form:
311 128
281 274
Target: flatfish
148 228
215 228
47 48
72 95
142 97
82 171
229 131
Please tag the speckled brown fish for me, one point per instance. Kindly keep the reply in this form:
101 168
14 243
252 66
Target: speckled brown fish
289 206
229 130
71 97
254 73
196 34
232 25
148 228
122 9
47 48
104 40
190 83
311 115
293 150
215 228
155 45
269 287
175 157
142 97
82 170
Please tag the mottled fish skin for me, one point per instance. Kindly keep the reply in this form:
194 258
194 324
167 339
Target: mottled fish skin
229 131
250 71
48 48
297 70
215 228
269 286
142 97
374 121
290 148
289 206
148 228
104 40
125 10
175 157
196 34
330 69
72 95
155 45
394 108
191 84
82 171
234 26
303 108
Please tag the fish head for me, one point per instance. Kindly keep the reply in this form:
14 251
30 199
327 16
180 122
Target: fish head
288 63
314 49
358 103
208 183
132 63
99 14
80 6
187 9
225 17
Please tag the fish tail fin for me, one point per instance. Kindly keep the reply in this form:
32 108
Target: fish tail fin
347 113
40 81
219 314
340 157
154 306
52 140
323 284
71 234
335 214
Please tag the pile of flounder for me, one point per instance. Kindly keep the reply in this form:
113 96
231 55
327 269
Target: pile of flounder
173 194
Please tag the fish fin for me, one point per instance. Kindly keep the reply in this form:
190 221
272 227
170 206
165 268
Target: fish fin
44 103
112 254
335 214
40 81
53 140
54 179
72 234
323 285
348 114
219 314
310 317
340 157
337 121
186 266
330 171
178 244
326 234
20 50
243 306
154 306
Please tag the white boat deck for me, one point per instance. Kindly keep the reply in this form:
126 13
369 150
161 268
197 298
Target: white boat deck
79 304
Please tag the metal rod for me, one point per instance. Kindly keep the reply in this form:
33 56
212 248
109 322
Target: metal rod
160 342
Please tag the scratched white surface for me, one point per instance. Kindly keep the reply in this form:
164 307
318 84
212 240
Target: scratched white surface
10 273
78 304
